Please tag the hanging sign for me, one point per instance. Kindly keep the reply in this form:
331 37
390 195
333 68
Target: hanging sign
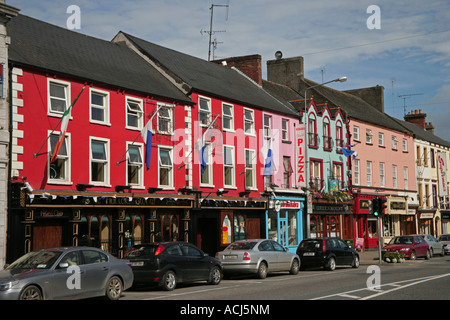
300 154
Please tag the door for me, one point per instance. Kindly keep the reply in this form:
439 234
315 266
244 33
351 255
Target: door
269 254
283 229
47 234
347 253
335 247
68 283
283 257
95 269
197 268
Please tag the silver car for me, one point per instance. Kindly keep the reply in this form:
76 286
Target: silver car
445 240
259 257
436 247
65 273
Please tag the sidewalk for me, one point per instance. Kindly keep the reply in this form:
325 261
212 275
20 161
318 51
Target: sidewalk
369 257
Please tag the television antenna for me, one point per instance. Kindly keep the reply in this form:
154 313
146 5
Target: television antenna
211 31
404 97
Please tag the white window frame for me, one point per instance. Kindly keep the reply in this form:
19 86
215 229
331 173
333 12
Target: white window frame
67 90
140 165
380 139
356 133
251 169
405 177
394 177
369 136
139 114
106 162
105 108
394 143
232 166
285 129
169 119
251 122
267 128
357 172
382 175
229 117
207 113
67 180
369 173
209 166
405 145
167 167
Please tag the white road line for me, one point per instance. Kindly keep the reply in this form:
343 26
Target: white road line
191 292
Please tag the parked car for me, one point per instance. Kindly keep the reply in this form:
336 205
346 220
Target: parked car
435 246
327 252
445 239
413 246
258 257
169 263
65 273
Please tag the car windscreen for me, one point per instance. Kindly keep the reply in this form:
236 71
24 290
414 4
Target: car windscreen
401 240
444 238
311 244
144 251
35 260
241 245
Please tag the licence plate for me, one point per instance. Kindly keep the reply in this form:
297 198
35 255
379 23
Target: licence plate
137 264
308 253
230 257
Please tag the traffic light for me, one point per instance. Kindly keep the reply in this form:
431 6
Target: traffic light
376 207
382 205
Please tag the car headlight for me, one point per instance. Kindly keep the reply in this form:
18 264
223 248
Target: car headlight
405 249
8 285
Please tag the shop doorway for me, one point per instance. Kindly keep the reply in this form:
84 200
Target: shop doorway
47 234
207 237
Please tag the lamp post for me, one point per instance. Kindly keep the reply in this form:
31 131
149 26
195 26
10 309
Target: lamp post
308 211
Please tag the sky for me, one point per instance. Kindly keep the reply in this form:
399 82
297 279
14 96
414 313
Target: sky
402 45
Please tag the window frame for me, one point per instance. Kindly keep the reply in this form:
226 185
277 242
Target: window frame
105 108
207 112
251 122
67 180
106 162
251 169
229 117
232 166
139 113
166 167
140 147
67 92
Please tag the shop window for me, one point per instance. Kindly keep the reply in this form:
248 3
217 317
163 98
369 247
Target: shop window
272 222
239 228
292 228
169 228
226 230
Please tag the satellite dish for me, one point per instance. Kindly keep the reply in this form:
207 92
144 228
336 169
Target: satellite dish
278 55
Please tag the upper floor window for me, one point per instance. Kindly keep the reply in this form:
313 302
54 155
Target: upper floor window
206 168
228 166
99 158
58 97
356 133
204 112
369 173
249 121
134 113
313 140
382 175
339 136
99 106
59 170
135 165
315 174
287 172
250 169
405 145
165 119
326 134
165 167
356 173
380 139
227 117
394 176
394 143
285 130
369 136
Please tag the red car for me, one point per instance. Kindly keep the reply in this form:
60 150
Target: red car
413 246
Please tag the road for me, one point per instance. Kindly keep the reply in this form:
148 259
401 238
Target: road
413 280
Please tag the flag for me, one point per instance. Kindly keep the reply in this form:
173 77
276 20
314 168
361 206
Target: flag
268 167
147 135
202 157
64 124
349 153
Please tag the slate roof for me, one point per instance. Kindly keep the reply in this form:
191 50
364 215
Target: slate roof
210 78
422 134
38 44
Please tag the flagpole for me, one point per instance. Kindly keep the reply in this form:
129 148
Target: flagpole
35 155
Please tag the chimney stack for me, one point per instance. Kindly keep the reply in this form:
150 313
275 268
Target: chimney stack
288 72
249 65
417 117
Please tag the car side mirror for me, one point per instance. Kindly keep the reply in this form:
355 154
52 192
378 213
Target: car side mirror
63 265
6 266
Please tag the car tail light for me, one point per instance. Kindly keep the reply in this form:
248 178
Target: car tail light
246 256
159 250
324 246
217 256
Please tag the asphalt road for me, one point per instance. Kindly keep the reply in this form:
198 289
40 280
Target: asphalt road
413 280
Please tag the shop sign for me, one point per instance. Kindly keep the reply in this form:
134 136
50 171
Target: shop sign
290 204
330 208
396 205
300 150
445 215
51 213
426 216
442 174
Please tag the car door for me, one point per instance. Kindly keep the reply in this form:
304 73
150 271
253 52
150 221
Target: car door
437 247
96 268
66 281
283 257
335 248
346 252
421 246
197 266
268 253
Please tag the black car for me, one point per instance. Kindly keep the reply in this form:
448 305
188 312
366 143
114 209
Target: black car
169 263
327 252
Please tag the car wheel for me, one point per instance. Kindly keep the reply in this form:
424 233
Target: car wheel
215 276
169 281
31 293
355 263
114 288
413 255
262 271
331 265
295 267
428 256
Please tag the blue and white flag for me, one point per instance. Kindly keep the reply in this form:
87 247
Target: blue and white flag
147 135
268 167
348 153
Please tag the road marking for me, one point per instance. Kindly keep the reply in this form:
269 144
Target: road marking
396 286
191 292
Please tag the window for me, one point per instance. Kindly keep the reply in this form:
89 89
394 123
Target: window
316 174
312 132
432 158
394 176
339 136
405 177
91 256
165 167
357 172
338 173
250 169
380 139
227 117
356 133
382 175
369 173
326 134
165 119
287 173
418 156
58 97
135 165
99 107
267 129
369 136
425 157
204 112
228 166
285 130
99 161
249 121
405 145
59 170
206 171
394 143
134 113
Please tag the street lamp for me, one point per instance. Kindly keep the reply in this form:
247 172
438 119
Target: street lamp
341 79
